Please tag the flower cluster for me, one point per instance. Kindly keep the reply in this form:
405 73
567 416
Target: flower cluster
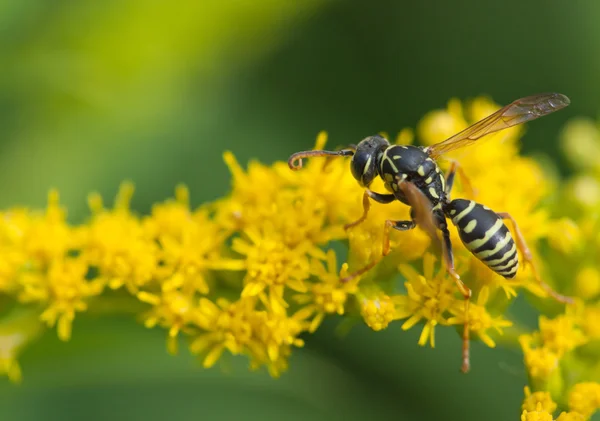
561 358
258 270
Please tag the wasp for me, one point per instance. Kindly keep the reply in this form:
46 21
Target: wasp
412 176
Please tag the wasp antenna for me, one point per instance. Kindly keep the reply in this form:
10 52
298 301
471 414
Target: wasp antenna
295 161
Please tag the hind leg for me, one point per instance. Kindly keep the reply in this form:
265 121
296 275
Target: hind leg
464 290
528 259
456 168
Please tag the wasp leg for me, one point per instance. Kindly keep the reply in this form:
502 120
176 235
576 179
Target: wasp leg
400 226
454 168
528 259
378 197
464 290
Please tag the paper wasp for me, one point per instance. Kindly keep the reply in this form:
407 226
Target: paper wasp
412 176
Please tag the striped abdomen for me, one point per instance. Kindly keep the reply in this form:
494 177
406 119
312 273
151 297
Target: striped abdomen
483 232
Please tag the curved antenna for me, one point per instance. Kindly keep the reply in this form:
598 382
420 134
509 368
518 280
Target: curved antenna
295 161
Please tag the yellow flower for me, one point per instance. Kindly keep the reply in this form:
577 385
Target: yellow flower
277 334
377 309
271 265
428 297
225 325
584 398
580 141
328 295
189 248
539 414
589 322
570 416
116 243
14 225
565 236
172 309
535 400
587 283
48 236
541 362
64 289
265 335
480 321
560 335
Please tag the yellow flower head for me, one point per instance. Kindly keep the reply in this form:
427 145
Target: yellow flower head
49 236
377 309
480 320
565 236
587 283
224 325
541 362
570 416
328 295
560 335
539 414
13 228
271 265
429 297
584 398
64 289
116 243
536 400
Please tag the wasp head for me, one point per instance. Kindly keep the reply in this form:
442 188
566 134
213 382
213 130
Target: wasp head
366 159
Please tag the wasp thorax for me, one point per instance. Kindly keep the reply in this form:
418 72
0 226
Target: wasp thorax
365 159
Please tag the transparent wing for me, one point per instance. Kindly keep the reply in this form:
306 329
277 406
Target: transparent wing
518 112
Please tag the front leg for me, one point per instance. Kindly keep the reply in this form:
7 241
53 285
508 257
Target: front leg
378 197
400 226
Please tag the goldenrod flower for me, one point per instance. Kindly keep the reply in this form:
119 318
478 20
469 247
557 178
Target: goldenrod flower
539 414
584 398
329 295
64 289
377 309
429 297
560 335
541 362
116 243
255 272
536 400
480 320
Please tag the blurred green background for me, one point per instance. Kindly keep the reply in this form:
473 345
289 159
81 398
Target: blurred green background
92 93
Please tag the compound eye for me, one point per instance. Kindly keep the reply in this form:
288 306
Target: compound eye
363 167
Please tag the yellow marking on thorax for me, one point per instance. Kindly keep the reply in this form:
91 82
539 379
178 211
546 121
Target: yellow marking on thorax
421 171
475 244
428 180
433 193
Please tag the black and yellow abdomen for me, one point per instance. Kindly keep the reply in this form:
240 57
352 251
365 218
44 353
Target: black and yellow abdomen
483 232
